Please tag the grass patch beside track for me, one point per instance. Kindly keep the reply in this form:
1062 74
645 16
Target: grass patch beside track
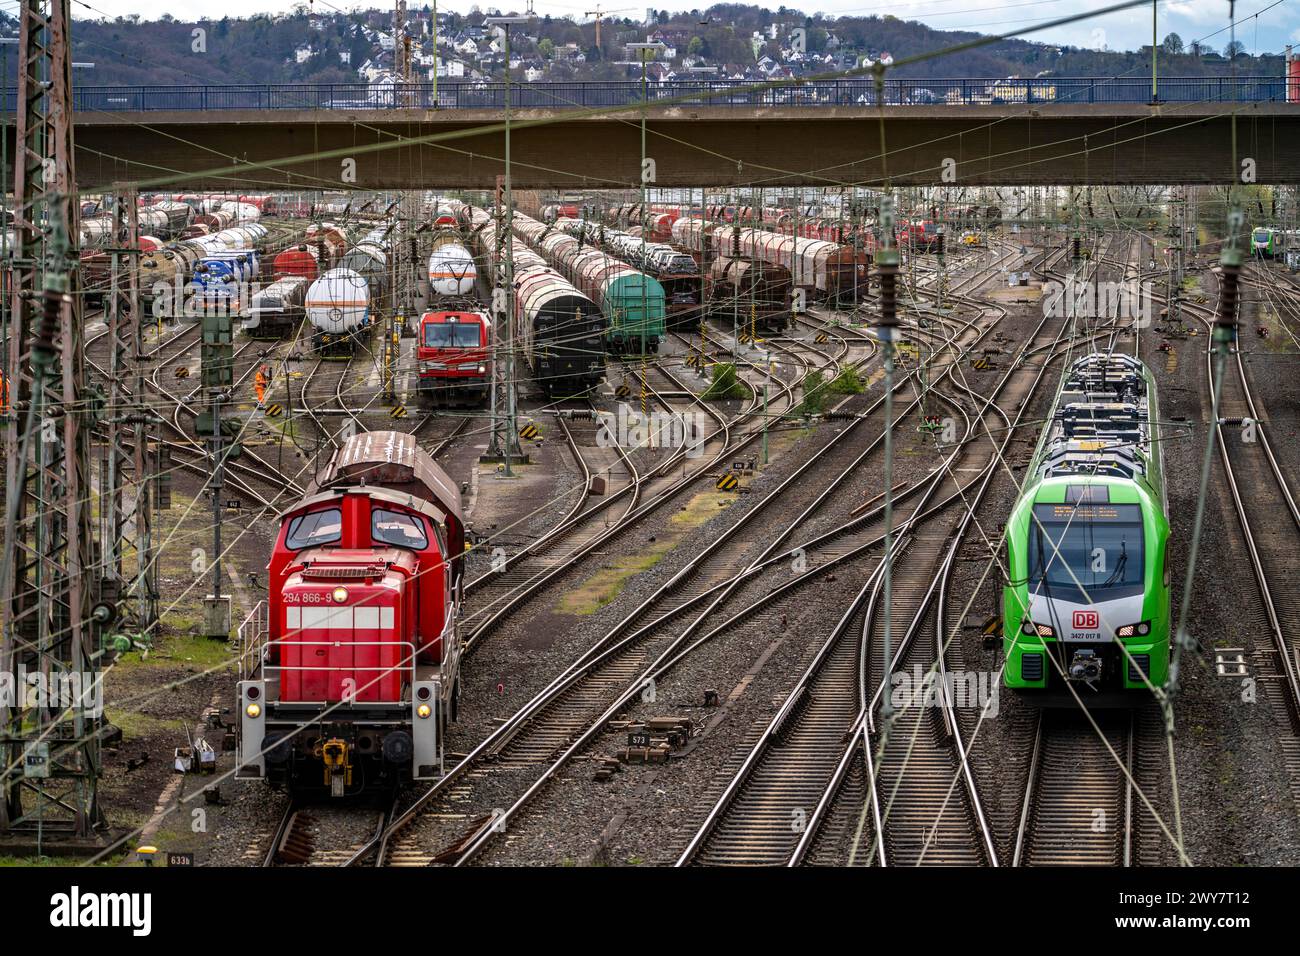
607 584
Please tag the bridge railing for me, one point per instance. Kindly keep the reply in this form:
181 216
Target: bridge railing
856 91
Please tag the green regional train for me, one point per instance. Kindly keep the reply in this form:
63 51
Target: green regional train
1266 243
1087 560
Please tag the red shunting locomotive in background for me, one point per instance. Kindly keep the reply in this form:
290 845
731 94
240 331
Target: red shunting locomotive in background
349 671
454 352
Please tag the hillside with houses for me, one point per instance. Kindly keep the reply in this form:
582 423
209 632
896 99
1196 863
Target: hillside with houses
727 41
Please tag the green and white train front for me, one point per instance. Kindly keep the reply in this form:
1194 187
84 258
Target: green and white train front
1086 604
1265 242
1087 601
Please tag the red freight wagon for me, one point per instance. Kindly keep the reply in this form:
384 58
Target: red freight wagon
298 261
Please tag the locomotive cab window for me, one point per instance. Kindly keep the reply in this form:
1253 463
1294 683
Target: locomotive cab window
1086 552
451 334
314 528
398 528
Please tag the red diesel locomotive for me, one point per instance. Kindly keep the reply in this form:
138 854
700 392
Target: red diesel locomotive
349 672
454 351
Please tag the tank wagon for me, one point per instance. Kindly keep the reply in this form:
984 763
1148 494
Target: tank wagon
452 272
321 248
369 260
561 331
338 308
633 302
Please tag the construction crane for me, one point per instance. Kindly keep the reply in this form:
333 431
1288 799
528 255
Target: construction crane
600 14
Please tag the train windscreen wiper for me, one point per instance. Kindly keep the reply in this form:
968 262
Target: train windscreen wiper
1116 575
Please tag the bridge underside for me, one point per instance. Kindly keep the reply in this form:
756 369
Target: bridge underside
716 146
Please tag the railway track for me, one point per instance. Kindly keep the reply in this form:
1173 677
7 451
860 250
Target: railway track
800 780
788 785
619 672
674 643
583 530
1079 805
320 834
1267 512
192 453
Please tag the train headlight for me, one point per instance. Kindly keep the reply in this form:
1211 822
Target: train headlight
253 710
423 711
340 595
482 369
1128 630
1033 629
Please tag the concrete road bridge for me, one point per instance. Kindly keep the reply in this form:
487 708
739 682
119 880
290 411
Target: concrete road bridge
706 133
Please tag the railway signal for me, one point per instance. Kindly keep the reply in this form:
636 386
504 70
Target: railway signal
728 482
529 432
398 411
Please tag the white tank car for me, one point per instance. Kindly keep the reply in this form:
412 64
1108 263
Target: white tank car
451 270
237 237
242 212
338 305
97 231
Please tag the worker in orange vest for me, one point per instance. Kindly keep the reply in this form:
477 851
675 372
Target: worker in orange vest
260 383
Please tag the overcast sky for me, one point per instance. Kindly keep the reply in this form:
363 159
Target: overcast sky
1277 23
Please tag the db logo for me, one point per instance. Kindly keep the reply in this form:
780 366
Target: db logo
1086 620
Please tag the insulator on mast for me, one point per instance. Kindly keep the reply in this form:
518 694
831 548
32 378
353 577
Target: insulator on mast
1229 286
888 292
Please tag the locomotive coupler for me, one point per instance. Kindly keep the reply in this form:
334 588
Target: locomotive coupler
337 758
1085 666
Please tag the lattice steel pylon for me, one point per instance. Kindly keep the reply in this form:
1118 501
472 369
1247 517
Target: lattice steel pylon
50 753
130 574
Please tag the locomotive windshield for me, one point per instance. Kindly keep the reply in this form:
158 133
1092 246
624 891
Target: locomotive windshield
397 528
1086 552
451 335
314 528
